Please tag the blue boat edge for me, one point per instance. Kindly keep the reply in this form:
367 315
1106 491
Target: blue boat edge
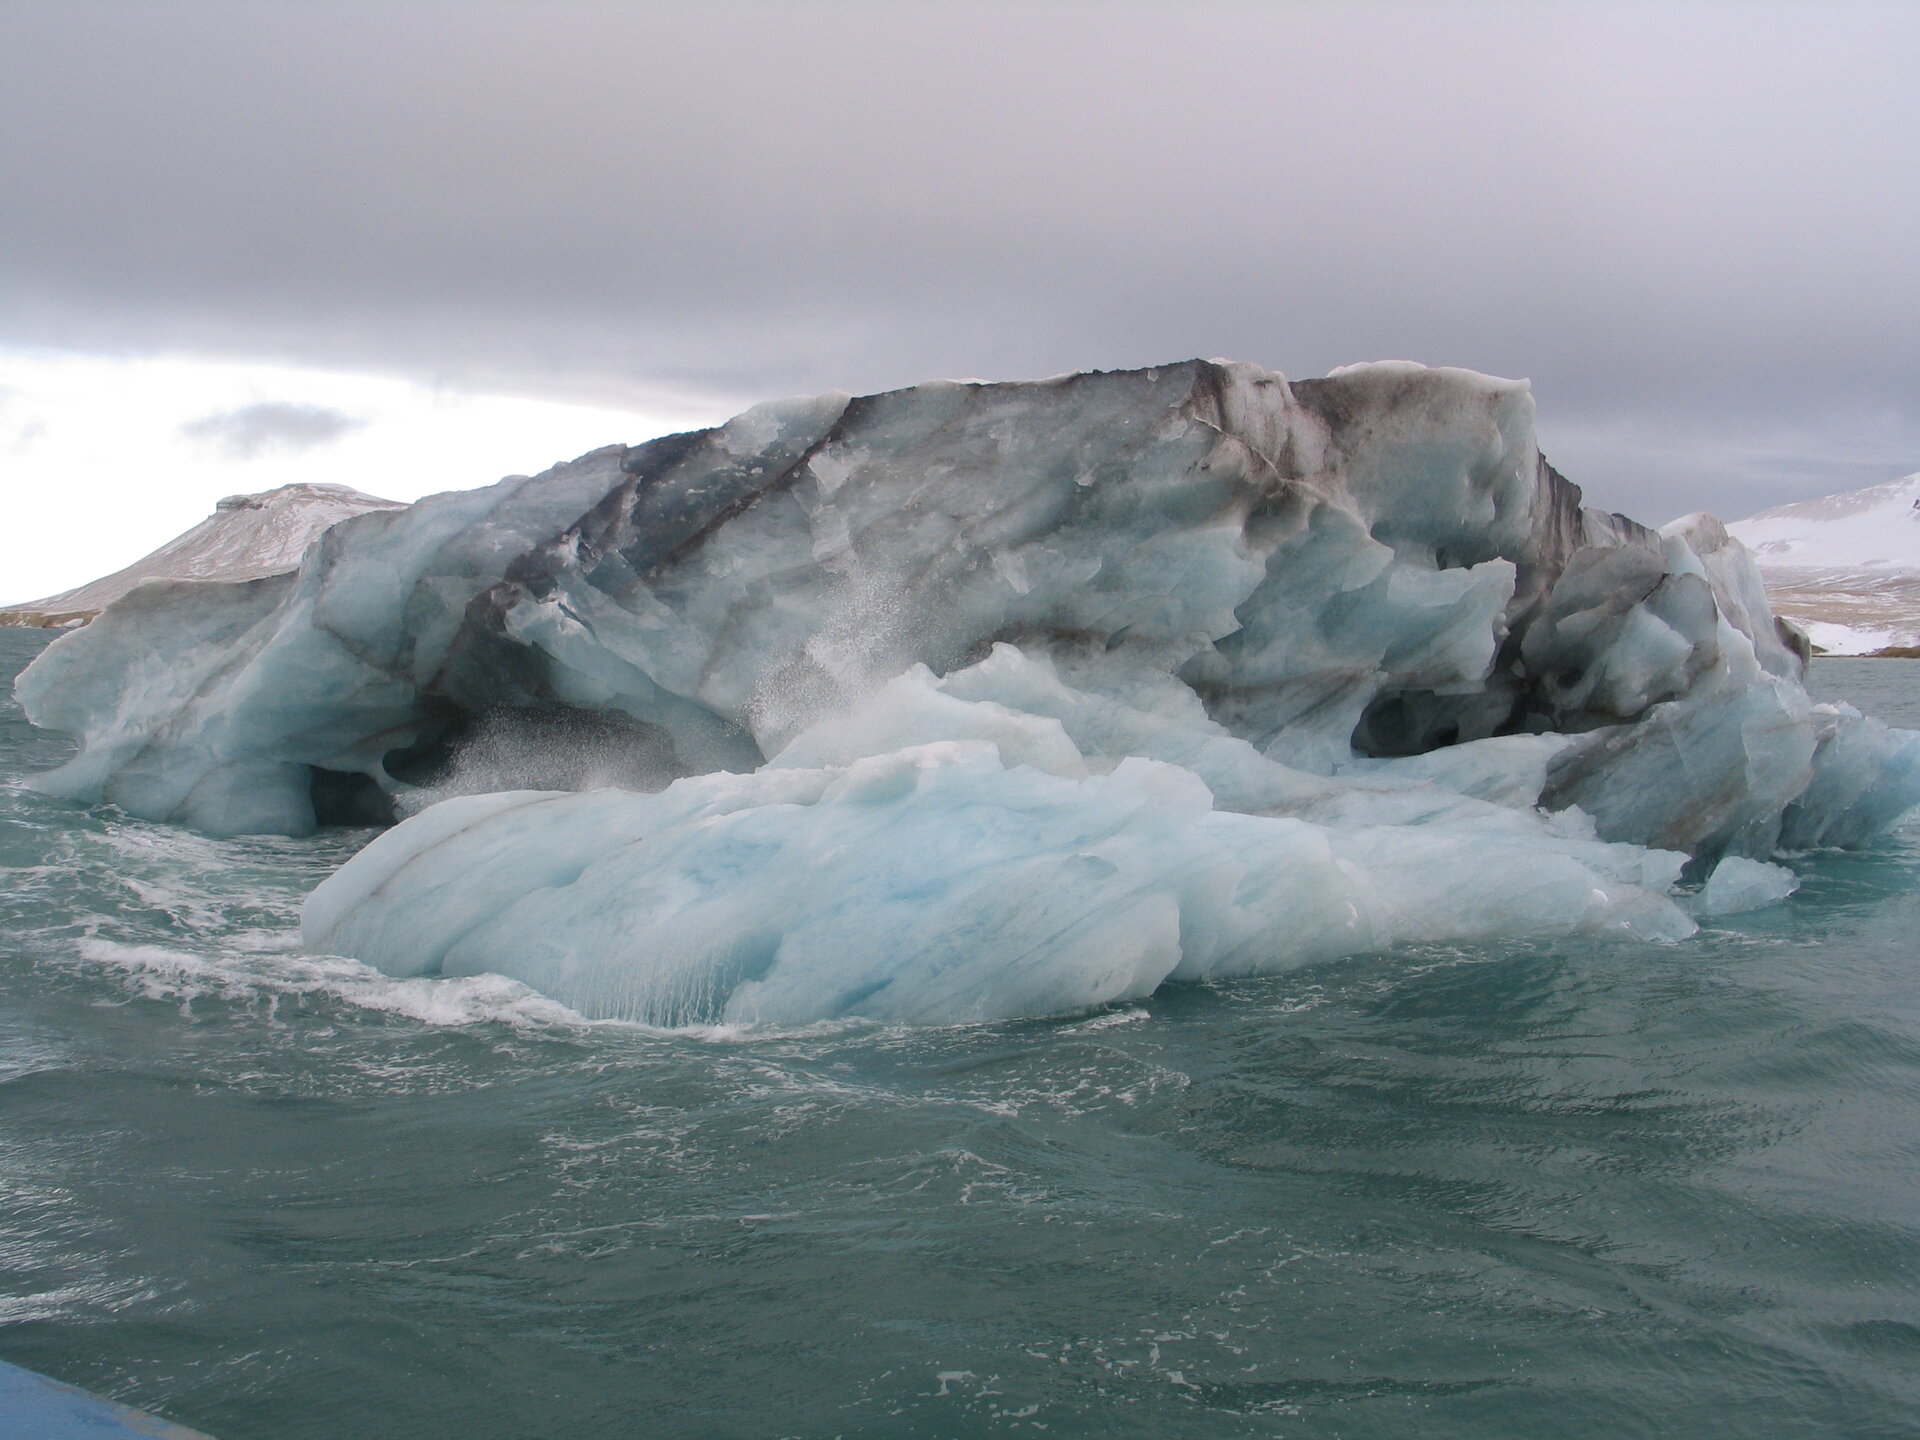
34 1407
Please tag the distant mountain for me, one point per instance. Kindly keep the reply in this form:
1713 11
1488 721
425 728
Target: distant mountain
1845 568
246 537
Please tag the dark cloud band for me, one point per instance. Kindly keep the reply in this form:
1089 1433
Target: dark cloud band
1680 217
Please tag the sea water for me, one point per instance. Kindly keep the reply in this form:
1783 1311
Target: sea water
1580 1189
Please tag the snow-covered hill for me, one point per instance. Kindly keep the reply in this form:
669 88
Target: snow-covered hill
1877 528
246 537
1845 567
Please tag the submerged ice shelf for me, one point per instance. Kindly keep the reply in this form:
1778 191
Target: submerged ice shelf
986 873
976 700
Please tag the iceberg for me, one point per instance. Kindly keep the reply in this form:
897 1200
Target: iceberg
978 700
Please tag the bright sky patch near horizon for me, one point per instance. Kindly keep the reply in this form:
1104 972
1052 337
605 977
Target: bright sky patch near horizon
108 458
1691 225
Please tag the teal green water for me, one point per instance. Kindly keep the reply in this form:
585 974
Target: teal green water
1566 1190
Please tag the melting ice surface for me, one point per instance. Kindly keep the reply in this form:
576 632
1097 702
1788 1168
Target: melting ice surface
986 874
976 701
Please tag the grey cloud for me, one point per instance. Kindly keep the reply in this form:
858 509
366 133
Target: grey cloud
268 427
1679 220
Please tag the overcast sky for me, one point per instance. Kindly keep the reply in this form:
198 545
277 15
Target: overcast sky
1693 226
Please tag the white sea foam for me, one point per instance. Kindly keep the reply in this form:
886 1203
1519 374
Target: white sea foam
158 972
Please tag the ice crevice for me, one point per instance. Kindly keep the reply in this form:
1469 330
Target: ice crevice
979 700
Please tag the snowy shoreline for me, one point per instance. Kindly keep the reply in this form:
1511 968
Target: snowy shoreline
1845 568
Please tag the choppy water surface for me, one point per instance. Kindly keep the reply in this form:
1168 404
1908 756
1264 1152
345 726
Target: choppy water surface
1607 1190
